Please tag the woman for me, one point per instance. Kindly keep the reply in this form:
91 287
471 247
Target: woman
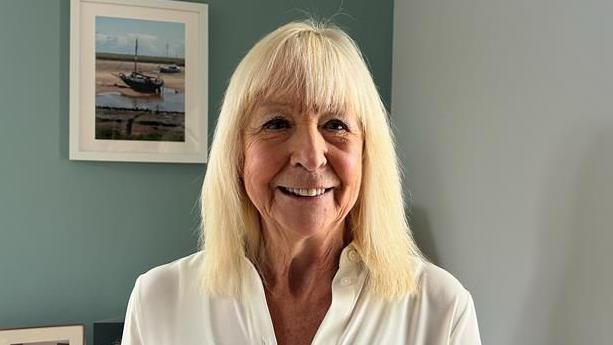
305 238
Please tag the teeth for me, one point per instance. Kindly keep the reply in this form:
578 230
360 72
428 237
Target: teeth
306 192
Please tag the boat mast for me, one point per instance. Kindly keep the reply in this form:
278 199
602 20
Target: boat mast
135 53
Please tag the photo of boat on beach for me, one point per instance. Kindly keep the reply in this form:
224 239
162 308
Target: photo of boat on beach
140 80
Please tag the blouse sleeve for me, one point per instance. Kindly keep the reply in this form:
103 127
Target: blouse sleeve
131 328
466 330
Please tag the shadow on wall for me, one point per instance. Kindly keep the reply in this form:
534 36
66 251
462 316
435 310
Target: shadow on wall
422 232
571 283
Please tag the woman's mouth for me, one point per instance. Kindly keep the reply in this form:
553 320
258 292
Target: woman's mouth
304 192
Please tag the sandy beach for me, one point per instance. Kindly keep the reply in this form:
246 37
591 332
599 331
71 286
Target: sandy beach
132 115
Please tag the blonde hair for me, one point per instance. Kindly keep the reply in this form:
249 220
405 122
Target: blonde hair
323 67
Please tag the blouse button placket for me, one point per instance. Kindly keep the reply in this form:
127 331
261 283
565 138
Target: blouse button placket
346 281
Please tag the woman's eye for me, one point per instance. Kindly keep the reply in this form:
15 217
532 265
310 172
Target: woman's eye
276 123
337 125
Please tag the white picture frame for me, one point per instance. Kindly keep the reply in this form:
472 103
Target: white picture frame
112 138
45 335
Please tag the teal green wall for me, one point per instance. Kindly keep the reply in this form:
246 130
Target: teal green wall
74 235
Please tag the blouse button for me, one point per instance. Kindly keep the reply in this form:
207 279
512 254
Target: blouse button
353 256
346 281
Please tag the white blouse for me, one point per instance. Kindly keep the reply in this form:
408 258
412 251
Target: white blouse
167 307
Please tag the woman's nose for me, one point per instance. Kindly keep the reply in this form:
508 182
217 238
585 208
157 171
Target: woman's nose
308 149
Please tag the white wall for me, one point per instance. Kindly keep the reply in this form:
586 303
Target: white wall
504 116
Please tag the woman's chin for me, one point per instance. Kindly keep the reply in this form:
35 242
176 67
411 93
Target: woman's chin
305 226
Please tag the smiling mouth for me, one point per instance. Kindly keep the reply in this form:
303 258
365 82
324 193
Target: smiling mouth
304 192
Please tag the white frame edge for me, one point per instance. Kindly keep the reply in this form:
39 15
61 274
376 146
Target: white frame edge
75 334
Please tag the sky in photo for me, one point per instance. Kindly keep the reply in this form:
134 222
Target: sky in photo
155 38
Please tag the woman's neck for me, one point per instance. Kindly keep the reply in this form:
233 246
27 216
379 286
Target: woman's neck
297 266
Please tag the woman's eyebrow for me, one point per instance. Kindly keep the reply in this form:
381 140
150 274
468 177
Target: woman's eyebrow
337 114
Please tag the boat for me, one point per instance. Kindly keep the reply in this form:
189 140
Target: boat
170 69
139 81
142 83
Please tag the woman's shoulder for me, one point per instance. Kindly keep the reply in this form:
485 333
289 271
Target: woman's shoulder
439 286
449 304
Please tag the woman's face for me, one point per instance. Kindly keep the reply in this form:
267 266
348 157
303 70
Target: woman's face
302 170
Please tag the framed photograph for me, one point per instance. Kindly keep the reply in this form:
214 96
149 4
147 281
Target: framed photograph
47 335
138 81
108 332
